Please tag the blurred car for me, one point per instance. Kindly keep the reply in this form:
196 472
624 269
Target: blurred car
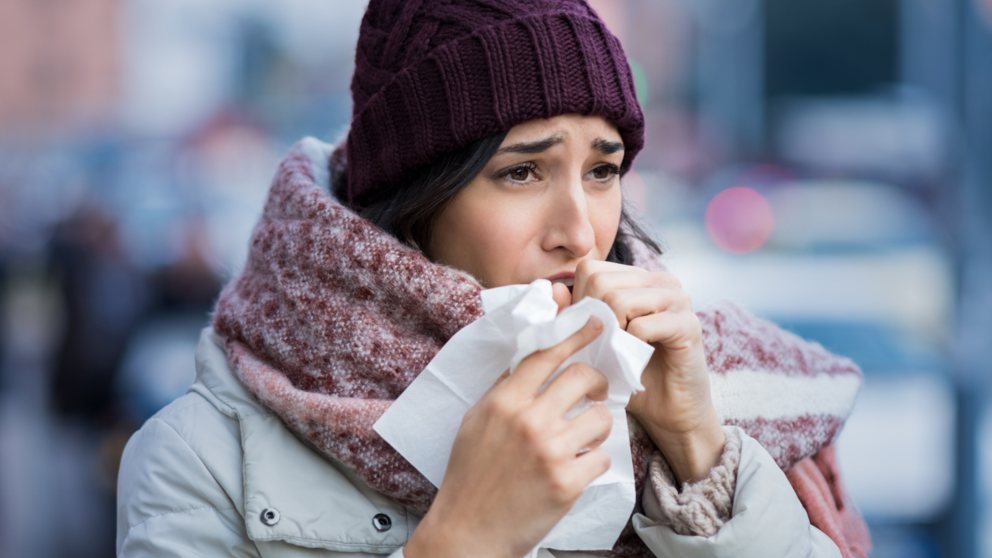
857 267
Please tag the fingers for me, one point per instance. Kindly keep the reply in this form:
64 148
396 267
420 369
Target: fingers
572 477
586 270
595 279
632 303
576 472
673 331
575 383
535 370
562 296
587 467
588 430
655 300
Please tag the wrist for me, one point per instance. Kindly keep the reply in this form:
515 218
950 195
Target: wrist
430 539
692 454
437 537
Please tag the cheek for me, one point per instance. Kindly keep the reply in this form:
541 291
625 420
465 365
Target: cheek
498 240
488 235
472 236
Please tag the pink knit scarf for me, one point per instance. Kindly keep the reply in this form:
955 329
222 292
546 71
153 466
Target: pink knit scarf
332 318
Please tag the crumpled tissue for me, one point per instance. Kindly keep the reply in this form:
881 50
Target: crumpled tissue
520 319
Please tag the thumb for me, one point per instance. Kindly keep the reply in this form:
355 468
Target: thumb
562 296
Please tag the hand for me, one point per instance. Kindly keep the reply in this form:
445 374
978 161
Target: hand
676 408
518 465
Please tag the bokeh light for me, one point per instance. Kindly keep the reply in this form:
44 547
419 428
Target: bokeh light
739 220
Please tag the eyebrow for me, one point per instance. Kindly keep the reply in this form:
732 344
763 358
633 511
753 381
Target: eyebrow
532 146
607 147
604 146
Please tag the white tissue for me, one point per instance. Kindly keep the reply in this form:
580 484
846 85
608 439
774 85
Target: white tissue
520 319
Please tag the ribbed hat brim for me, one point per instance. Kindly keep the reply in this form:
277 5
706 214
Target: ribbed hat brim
485 83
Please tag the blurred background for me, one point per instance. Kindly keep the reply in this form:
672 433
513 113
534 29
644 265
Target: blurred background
826 164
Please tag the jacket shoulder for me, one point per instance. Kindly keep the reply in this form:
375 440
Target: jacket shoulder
184 458
217 454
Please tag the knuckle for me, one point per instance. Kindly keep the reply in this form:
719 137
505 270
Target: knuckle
586 375
612 299
594 283
603 415
549 456
667 279
692 323
602 461
598 379
560 489
637 328
529 427
500 407
582 372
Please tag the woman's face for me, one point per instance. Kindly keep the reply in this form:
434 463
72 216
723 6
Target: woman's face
547 199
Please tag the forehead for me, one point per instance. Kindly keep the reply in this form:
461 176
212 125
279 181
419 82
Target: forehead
567 126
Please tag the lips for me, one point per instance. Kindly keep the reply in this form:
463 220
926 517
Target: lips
565 278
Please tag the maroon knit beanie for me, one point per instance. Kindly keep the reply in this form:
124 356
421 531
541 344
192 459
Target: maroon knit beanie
432 76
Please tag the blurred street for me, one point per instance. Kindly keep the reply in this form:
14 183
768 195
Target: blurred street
826 165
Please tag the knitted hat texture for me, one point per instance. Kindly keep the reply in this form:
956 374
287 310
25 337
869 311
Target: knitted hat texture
432 76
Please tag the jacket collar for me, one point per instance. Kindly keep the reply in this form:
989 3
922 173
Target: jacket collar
223 388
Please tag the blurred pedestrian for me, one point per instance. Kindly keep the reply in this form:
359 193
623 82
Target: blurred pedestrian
486 148
4 255
3 310
104 296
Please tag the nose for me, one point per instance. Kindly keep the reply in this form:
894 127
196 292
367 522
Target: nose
568 225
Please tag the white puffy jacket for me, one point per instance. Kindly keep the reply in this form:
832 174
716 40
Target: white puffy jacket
216 474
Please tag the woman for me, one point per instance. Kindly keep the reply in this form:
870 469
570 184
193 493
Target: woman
486 147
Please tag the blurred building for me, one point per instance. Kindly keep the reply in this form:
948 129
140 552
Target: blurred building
60 61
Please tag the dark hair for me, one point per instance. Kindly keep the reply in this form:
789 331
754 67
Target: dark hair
408 213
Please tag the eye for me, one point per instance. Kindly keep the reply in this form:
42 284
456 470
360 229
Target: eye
604 172
519 174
